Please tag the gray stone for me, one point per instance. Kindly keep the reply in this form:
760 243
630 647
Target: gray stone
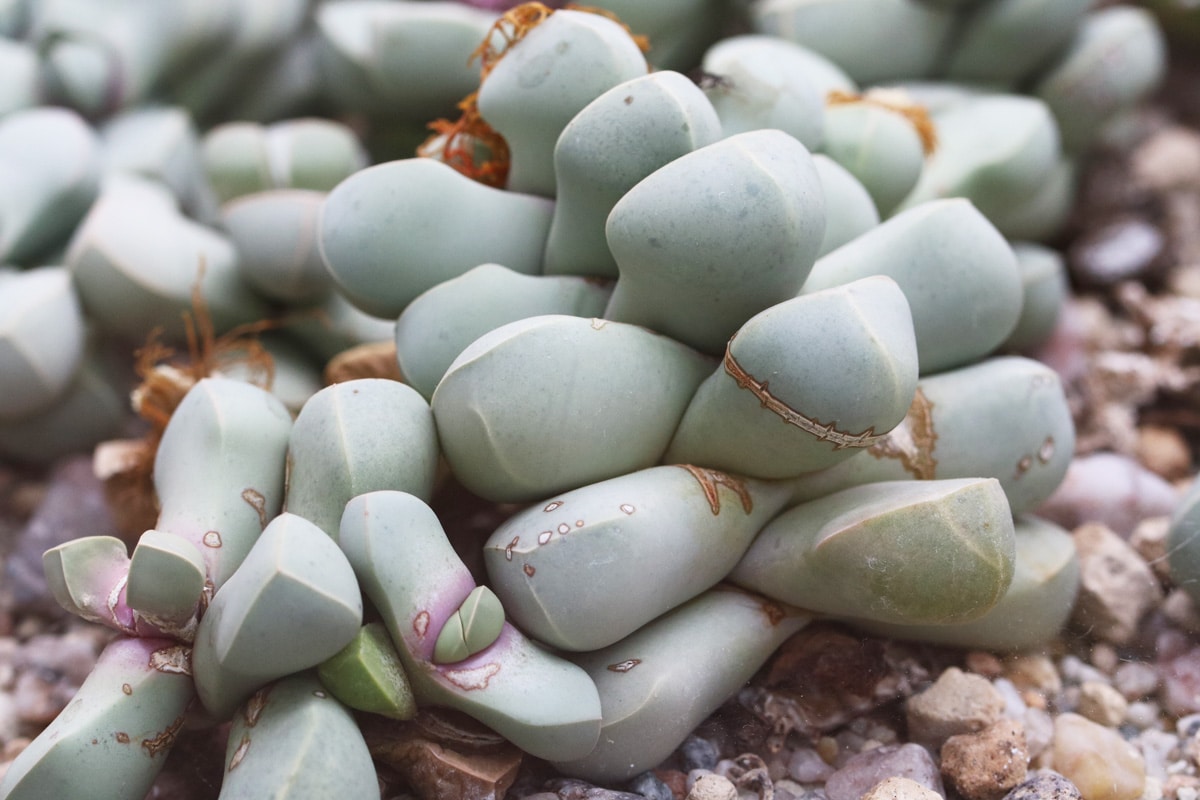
867 769
1045 785
958 702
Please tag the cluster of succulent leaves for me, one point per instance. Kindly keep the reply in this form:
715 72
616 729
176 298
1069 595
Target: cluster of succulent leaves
740 349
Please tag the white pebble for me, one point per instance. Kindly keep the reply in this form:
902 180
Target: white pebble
1142 715
712 787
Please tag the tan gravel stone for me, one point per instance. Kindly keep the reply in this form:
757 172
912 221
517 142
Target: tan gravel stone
1149 539
1097 760
987 764
958 702
712 787
900 789
1034 671
1170 159
1102 704
1163 451
1182 611
1116 586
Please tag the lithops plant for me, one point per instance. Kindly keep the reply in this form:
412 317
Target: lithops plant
716 236
788 405
41 339
551 564
439 324
421 589
614 142
450 222
837 367
50 171
530 94
542 405
1183 543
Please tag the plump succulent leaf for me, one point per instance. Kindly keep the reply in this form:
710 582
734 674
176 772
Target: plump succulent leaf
849 209
551 403
590 566
659 683
355 437
219 470
85 577
112 739
391 231
1004 418
837 367
437 326
1005 41
1116 57
1183 543
137 260
166 582
1045 287
994 150
617 140
367 675
1032 611
42 332
879 147
908 552
293 741
576 56
369 53
958 273
761 83
412 575
715 237
872 40
49 175
292 604
476 624
275 235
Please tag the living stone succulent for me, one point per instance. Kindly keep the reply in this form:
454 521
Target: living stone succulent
724 356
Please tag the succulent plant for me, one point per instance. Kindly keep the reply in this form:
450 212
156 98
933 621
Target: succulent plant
724 356
1183 543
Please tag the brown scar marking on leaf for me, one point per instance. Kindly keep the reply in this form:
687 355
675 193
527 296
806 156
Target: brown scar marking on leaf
598 324
912 442
1046 451
898 103
165 739
1023 466
175 660
544 537
420 624
824 432
626 508
474 678
508 550
206 596
774 612
557 504
114 599
624 666
126 689
240 753
711 479
255 706
212 539
258 503
122 737
529 569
